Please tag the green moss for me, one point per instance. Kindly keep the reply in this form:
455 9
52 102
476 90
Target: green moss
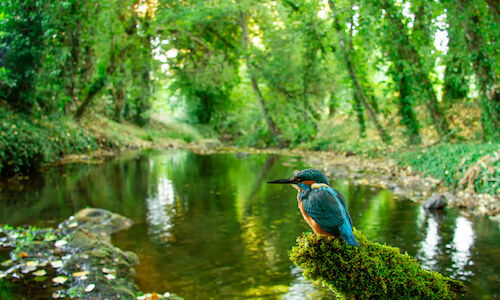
372 271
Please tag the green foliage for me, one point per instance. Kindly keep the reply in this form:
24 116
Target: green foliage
449 163
370 271
26 144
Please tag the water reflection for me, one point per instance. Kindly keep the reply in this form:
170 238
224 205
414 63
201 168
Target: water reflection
209 226
160 209
429 249
463 240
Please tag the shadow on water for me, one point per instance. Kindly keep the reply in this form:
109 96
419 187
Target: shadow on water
209 226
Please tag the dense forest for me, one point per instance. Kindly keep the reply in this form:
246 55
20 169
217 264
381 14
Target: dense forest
286 73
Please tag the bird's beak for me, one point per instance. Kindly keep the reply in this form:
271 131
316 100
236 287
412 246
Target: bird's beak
286 180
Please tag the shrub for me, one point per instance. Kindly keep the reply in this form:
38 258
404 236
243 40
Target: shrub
449 163
27 143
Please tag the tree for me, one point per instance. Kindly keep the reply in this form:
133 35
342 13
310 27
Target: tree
470 15
258 94
359 93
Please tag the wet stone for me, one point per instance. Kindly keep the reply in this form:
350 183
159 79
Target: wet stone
82 251
436 201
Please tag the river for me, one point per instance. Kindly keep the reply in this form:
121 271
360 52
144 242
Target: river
208 226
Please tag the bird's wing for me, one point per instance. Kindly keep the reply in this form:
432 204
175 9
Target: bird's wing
342 201
323 207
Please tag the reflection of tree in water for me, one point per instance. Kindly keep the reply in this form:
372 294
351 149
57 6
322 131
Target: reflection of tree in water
463 240
447 244
160 208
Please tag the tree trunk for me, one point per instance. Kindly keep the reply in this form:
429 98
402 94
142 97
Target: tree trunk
406 110
244 44
360 94
407 54
95 87
483 68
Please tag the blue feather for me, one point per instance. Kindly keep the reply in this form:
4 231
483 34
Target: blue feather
328 208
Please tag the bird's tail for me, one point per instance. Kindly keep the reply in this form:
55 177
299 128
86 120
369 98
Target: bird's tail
349 238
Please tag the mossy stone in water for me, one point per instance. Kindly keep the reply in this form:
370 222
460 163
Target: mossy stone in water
370 271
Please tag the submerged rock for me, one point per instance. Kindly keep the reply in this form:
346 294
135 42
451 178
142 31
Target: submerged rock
78 257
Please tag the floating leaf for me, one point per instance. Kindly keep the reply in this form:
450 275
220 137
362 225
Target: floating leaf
28 269
60 279
40 273
40 278
56 264
6 263
49 237
110 276
108 271
60 243
31 263
80 274
90 288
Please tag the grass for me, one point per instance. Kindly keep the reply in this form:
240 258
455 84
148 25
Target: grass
450 162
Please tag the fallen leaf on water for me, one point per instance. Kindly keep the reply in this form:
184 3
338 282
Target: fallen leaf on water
80 274
60 243
110 276
108 271
60 279
28 269
6 263
40 278
22 255
56 264
90 288
40 273
31 263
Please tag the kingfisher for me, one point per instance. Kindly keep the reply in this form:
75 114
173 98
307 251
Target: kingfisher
323 207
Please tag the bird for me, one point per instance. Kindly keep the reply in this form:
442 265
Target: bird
323 207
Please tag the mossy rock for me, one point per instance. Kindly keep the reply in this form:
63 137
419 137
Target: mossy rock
372 271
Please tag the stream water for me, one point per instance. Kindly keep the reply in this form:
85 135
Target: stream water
208 226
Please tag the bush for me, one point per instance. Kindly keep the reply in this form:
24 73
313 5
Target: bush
27 143
449 163
370 271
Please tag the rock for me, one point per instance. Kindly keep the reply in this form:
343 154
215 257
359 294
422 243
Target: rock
99 221
436 201
81 247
